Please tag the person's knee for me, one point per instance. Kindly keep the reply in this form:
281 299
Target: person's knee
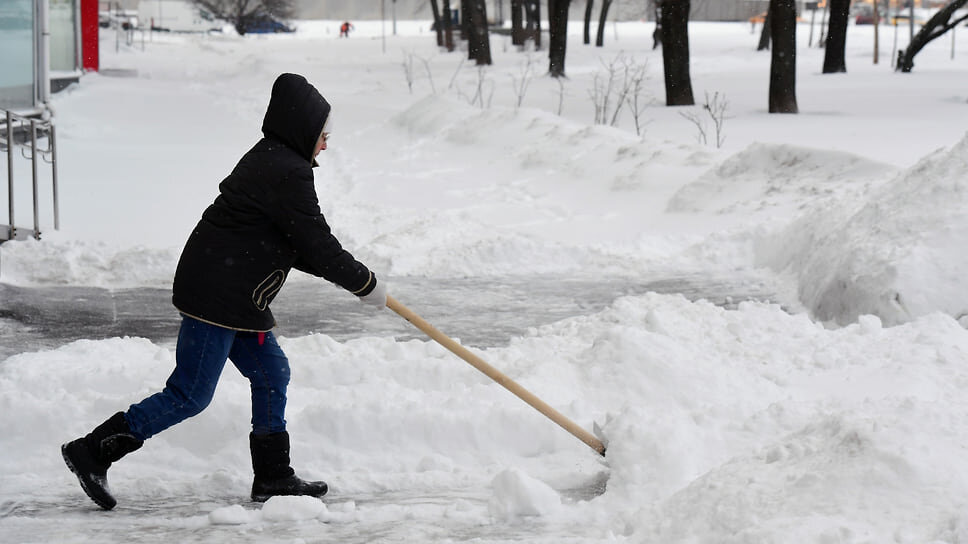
192 402
282 377
275 375
273 381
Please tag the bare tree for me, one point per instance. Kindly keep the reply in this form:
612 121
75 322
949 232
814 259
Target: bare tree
783 65
517 22
936 26
600 37
602 90
561 95
521 83
448 27
438 25
478 42
430 74
558 36
715 109
877 38
699 122
833 59
589 6
525 22
463 23
532 27
675 52
243 14
484 85
408 70
621 84
765 32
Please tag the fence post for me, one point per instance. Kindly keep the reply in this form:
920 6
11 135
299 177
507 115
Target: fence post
10 144
53 169
33 169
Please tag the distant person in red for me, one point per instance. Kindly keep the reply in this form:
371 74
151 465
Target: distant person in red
344 29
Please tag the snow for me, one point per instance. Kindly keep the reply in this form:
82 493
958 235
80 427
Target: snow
833 412
516 495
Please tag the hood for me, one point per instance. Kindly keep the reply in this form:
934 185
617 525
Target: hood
296 114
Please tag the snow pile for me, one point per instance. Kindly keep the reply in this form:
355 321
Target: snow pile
745 424
57 260
292 508
764 177
889 254
230 515
516 494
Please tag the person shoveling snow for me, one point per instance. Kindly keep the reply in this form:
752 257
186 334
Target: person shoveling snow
265 222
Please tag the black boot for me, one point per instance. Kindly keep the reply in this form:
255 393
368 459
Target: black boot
90 457
273 475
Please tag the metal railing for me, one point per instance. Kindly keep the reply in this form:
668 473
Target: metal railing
23 133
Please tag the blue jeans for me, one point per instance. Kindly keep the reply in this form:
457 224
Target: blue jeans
199 359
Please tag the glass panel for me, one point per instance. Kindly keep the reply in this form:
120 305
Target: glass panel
17 60
63 42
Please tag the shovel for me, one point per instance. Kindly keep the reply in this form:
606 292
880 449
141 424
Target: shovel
497 376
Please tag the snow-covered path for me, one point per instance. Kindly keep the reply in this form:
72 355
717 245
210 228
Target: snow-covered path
480 312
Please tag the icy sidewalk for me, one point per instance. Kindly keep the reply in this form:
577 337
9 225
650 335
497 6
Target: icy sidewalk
478 311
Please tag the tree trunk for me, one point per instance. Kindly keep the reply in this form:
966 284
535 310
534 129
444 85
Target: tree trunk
675 52
877 38
438 24
558 36
448 27
833 59
517 22
783 66
479 43
533 26
463 21
589 5
935 27
823 25
600 38
765 31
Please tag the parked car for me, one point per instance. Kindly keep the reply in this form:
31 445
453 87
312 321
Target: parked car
176 16
267 25
864 14
117 18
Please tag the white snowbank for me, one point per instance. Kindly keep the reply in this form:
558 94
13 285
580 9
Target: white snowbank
516 494
732 425
891 253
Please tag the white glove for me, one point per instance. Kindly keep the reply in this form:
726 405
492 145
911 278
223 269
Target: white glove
377 297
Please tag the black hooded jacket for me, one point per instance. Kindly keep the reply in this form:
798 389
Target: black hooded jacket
266 221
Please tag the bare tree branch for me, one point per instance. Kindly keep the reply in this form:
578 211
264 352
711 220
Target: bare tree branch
935 27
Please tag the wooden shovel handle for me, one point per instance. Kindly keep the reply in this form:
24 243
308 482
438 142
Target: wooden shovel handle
496 375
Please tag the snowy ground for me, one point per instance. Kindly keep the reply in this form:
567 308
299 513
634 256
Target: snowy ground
834 411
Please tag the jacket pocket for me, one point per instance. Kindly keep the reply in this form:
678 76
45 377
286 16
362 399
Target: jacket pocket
267 290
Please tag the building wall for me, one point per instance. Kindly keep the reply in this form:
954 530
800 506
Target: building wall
726 10
622 10
363 10
111 5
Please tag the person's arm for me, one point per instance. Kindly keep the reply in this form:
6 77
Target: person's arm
295 210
